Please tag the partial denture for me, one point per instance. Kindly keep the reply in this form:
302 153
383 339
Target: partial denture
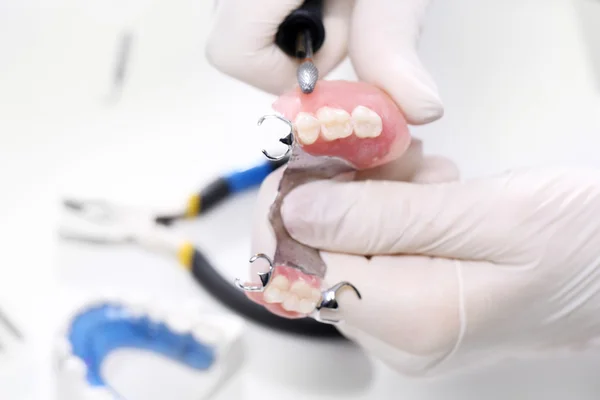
352 126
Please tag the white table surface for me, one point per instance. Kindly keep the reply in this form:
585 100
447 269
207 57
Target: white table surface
520 84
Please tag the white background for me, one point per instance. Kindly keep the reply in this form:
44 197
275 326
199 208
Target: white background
520 82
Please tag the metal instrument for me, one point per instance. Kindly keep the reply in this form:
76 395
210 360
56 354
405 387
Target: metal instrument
301 35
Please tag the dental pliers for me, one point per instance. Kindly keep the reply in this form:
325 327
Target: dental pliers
9 333
103 222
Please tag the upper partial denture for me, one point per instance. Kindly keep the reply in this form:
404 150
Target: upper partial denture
354 121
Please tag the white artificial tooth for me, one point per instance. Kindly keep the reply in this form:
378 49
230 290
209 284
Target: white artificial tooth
307 127
136 311
98 394
335 123
62 347
207 334
280 282
306 306
155 314
74 367
315 295
274 295
366 122
179 323
301 289
291 303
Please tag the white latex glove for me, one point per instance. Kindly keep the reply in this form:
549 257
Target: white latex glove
462 273
380 37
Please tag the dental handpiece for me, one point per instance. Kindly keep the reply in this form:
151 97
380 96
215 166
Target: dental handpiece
301 35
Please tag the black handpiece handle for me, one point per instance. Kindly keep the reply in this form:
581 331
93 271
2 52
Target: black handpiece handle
307 18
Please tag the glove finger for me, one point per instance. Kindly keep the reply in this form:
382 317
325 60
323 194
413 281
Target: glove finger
422 315
382 47
409 311
454 220
336 19
241 43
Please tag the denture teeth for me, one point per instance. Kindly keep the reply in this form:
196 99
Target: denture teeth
366 122
99 394
306 306
179 323
136 310
307 127
75 367
62 347
291 303
204 334
273 295
156 314
335 123
301 288
315 295
280 282
276 292
300 297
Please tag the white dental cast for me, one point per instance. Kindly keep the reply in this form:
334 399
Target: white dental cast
300 297
335 123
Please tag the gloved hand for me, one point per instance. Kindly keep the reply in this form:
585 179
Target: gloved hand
462 274
242 45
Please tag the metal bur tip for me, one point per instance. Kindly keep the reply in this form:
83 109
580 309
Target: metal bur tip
307 76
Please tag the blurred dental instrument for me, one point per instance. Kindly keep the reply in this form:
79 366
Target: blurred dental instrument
15 363
9 333
222 188
121 63
208 345
103 222
121 18
301 35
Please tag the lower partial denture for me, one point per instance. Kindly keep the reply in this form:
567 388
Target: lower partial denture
300 297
